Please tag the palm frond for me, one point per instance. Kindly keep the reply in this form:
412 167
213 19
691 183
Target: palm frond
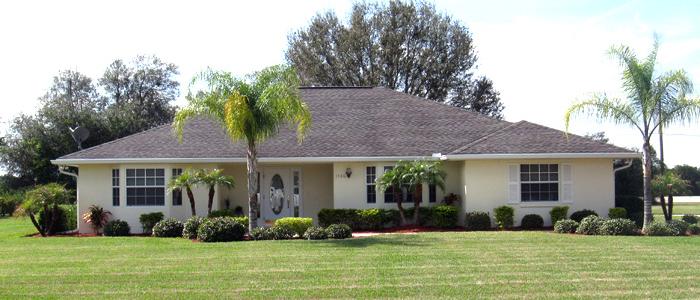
605 109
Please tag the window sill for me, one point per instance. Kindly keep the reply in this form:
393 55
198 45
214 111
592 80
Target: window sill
540 203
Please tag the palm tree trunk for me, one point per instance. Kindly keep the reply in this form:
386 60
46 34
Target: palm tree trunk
190 195
36 224
211 198
662 200
647 182
399 204
252 164
416 203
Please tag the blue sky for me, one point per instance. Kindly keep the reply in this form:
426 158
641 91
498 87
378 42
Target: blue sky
541 55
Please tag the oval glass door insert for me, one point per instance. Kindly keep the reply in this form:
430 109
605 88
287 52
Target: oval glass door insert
277 194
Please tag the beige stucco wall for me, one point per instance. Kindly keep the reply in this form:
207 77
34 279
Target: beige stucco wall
485 185
95 188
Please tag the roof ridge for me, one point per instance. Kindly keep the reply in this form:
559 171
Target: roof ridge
116 140
320 87
485 137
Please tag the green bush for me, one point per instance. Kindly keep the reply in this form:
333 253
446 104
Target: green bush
677 227
532 221
117 228
262 233
558 213
338 231
222 229
658 229
296 225
477 220
444 216
169 227
690 219
578 216
390 218
504 216
150 220
618 226
221 213
425 215
242 220
281 233
617 213
189 229
369 219
65 218
589 225
565 226
315 233
328 216
693 229
9 202
634 206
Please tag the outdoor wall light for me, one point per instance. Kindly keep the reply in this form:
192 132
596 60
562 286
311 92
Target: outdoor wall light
348 172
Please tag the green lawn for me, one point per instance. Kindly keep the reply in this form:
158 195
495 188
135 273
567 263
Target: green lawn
430 265
679 209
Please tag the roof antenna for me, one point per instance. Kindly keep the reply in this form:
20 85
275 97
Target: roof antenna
79 134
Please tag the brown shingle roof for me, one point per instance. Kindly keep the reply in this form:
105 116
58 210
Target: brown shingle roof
357 122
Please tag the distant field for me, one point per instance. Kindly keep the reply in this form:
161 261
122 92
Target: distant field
679 209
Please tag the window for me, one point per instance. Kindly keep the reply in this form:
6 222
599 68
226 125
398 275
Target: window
371 184
177 194
432 193
115 187
145 187
389 192
296 184
539 182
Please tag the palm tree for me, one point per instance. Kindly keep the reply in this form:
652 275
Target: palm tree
212 178
185 181
653 100
249 110
669 183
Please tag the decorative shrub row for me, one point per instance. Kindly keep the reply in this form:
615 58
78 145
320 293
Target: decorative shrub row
532 221
565 226
116 228
169 227
558 213
443 216
617 213
221 229
477 220
593 225
690 219
271 233
150 220
504 216
581 214
296 225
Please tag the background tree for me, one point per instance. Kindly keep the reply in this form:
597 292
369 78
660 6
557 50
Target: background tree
405 46
668 183
691 175
211 179
186 181
249 110
652 100
46 198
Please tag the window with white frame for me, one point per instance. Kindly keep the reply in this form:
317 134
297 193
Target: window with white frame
145 187
371 177
115 187
539 182
177 193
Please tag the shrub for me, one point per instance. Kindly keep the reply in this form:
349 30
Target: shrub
315 233
189 230
532 221
690 219
71 215
444 216
558 213
425 215
634 206
262 233
9 202
338 231
658 229
222 229
97 217
296 225
44 197
617 226
694 229
328 216
117 228
617 213
169 227
369 219
222 213
281 233
678 227
391 218
242 220
581 214
589 225
150 220
62 219
504 216
477 220
565 226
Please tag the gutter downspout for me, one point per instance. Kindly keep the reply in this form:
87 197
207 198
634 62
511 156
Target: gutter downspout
629 164
64 172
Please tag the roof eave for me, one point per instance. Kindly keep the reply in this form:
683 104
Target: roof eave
613 155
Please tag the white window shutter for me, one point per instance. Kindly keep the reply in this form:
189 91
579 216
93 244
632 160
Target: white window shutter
567 183
513 183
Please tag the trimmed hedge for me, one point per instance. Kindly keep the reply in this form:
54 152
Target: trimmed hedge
693 229
658 229
150 220
677 227
296 225
262 233
66 218
477 220
117 228
316 233
532 221
617 226
425 215
281 233
617 213
189 229
578 216
589 225
558 213
372 219
566 226
504 216
444 216
338 231
222 229
369 219
169 227
690 219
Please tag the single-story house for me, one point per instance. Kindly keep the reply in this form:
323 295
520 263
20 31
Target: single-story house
357 133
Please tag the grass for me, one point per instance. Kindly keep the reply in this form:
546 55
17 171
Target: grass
679 209
429 265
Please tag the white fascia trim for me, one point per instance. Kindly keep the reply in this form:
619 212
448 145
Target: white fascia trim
72 162
543 155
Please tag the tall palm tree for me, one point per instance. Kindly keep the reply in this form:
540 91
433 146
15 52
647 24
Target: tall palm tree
185 181
250 110
653 100
212 178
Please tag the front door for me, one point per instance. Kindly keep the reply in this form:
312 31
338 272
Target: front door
277 194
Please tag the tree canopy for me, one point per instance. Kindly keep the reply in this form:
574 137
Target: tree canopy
405 46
